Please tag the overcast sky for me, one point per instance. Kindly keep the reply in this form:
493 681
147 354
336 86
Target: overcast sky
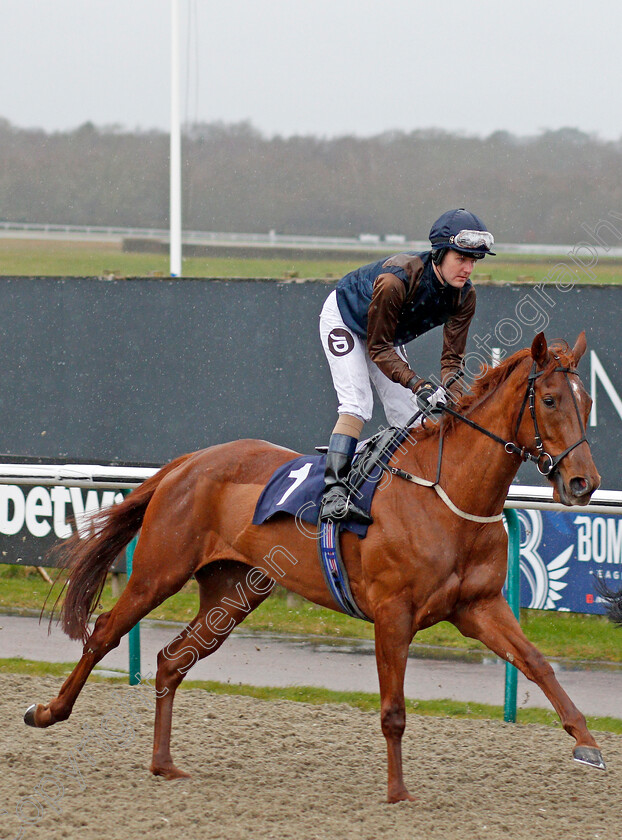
323 67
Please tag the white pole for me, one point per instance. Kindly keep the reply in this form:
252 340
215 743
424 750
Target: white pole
175 162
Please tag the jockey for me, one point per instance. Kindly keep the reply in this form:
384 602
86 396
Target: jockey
368 318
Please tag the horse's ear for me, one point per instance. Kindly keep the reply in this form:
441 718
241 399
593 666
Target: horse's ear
580 347
539 350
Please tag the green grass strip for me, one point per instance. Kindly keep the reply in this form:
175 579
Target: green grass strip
565 636
367 702
47 257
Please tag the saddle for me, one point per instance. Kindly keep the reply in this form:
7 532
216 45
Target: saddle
296 488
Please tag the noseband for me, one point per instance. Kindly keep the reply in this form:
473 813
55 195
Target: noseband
551 462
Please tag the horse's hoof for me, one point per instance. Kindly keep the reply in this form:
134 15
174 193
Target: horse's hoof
170 773
400 796
589 755
177 774
29 715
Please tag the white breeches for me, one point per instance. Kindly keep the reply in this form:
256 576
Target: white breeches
353 372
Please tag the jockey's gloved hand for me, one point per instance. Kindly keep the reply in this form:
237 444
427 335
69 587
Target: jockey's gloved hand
429 397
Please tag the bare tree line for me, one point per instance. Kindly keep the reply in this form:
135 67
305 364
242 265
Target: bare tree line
528 189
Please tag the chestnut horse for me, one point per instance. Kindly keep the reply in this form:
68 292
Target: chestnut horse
421 562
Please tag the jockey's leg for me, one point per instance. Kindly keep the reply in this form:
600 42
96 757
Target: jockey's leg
346 354
337 503
398 402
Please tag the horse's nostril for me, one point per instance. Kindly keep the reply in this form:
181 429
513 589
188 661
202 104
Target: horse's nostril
579 486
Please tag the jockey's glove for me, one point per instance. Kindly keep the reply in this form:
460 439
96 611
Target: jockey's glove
429 397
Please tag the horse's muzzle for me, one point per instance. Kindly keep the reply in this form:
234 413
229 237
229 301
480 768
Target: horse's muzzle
577 491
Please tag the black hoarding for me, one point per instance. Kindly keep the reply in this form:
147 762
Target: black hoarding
141 370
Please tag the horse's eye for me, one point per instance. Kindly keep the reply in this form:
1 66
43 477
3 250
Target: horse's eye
549 401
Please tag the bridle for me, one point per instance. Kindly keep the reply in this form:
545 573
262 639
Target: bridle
552 461
530 396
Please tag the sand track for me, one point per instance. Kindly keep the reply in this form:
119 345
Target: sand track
288 770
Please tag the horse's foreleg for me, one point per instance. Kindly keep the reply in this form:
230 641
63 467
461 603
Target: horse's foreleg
226 600
493 623
393 635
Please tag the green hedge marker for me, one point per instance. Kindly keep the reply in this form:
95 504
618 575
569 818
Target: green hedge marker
513 599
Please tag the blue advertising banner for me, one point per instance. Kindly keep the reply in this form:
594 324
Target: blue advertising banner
561 553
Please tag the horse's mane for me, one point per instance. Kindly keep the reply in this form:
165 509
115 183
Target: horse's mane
486 384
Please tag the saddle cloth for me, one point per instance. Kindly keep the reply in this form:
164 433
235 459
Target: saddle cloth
296 487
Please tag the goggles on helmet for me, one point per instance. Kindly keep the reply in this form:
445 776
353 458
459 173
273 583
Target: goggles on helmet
473 240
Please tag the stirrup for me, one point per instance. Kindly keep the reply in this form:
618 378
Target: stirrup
346 510
357 514
339 501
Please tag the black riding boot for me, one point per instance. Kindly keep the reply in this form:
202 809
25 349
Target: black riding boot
335 502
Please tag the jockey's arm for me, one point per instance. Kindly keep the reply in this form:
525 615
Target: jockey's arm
455 334
383 315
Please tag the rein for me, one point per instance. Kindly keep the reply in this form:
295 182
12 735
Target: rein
510 447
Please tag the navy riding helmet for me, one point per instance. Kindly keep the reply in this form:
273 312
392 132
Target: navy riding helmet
461 231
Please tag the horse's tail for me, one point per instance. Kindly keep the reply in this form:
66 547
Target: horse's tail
89 559
613 600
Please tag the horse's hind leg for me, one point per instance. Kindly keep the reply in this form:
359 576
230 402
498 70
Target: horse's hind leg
229 591
144 591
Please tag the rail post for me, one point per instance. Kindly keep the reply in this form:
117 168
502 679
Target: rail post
513 599
134 634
